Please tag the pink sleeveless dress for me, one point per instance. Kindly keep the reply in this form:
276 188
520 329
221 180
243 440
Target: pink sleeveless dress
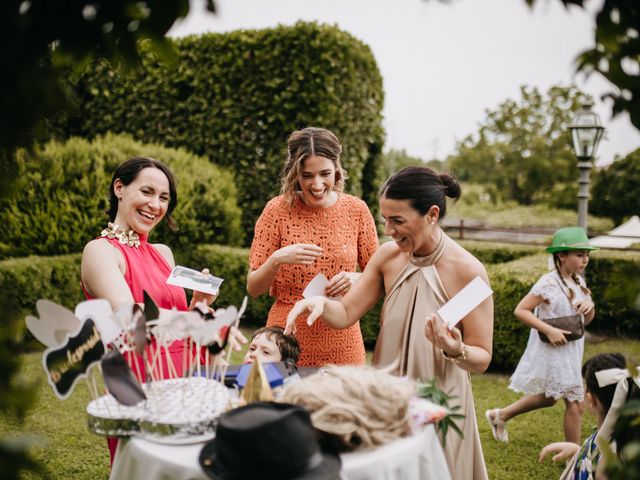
147 270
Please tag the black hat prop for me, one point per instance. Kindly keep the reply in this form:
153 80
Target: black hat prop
267 440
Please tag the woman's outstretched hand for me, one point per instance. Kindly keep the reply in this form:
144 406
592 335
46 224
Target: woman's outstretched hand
562 451
449 341
297 254
312 305
201 297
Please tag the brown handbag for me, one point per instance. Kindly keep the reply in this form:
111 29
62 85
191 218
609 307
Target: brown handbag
570 323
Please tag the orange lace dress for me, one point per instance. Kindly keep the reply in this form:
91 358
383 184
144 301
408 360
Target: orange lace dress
347 233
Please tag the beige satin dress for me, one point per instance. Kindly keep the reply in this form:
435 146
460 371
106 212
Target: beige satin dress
415 294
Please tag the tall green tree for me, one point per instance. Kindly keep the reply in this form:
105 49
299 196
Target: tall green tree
616 189
615 53
44 41
394 160
523 147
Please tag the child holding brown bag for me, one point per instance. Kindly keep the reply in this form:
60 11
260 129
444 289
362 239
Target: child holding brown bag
549 368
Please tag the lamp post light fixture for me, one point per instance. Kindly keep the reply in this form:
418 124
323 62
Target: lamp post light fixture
586 132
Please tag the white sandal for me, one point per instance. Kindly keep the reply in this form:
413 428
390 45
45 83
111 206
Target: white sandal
498 426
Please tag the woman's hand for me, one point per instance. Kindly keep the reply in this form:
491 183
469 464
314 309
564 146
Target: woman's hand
296 254
315 305
557 336
584 307
449 341
562 450
339 285
201 297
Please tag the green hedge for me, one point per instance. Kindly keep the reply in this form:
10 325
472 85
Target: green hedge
23 281
62 194
235 97
614 280
492 252
510 283
27 279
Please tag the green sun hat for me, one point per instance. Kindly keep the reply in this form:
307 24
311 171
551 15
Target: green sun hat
569 238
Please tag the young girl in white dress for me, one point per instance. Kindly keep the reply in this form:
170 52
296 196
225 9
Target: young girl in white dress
549 371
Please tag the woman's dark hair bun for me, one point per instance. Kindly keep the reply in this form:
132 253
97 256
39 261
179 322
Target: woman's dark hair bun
452 187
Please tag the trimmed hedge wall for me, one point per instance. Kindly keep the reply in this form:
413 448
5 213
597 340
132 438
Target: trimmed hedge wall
492 252
510 283
235 97
25 280
614 280
62 194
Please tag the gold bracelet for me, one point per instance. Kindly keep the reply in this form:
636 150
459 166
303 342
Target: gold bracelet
458 358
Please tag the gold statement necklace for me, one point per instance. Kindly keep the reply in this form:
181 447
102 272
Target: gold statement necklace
129 238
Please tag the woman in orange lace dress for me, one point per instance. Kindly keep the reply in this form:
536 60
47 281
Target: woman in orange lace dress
312 227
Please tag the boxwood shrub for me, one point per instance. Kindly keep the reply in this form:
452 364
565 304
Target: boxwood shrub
614 280
235 97
62 194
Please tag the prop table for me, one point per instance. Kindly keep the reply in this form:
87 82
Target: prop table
418 457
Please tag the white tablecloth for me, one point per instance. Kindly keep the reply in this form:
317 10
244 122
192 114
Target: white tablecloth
419 457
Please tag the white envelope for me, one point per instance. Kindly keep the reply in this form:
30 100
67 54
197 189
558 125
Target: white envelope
472 295
316 286
194 280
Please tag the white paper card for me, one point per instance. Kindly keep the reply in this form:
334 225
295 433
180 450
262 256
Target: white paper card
472 295
194 280
316 286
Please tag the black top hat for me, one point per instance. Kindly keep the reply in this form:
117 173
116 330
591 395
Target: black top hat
267 440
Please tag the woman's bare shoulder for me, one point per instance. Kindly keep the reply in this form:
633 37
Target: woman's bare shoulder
466 264
98 246
387 250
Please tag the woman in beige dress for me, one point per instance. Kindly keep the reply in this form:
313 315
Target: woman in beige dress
417 273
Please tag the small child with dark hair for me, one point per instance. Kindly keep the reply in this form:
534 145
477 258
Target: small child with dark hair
608 385
270 344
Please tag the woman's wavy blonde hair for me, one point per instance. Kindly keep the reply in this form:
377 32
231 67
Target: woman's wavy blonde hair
303 144
357 407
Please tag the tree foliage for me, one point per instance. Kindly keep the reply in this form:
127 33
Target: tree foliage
43 41
616 189
523 147
394 160
616 53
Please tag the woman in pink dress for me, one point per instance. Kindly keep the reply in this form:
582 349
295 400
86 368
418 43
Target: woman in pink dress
121 264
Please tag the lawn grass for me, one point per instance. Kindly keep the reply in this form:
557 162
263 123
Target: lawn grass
509 214
69 450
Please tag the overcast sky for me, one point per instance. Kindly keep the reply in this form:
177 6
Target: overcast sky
444 64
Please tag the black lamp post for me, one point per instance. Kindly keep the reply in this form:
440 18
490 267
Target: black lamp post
586 132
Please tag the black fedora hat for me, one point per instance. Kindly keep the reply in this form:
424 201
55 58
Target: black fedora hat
267 440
